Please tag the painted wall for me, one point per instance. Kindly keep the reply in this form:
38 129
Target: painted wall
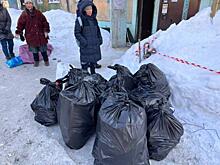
13 4
50 6
205 3
156 15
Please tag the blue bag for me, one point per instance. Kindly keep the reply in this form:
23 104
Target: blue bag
16 61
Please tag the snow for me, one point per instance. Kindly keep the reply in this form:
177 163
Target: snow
195 92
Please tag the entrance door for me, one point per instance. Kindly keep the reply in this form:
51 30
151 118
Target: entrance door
193 8
170 12
147 17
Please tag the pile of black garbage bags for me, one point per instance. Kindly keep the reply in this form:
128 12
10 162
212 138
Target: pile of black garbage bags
130 114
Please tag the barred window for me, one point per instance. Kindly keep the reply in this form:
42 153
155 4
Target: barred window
54 1
39 1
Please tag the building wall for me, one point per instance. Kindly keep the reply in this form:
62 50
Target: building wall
103 7
50 7
43 6
12 3
205 3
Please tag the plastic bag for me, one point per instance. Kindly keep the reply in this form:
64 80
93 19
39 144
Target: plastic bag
121 133
98 81
164 131
16 61
146 98
75 75
62 70
44 105
27 56
123 78
152 79
77 108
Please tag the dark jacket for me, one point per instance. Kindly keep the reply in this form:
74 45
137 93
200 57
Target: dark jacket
5 24
89 35
35 24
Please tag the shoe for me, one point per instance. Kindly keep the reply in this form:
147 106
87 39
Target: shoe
46 63
12 55
8 58
97 66
36 63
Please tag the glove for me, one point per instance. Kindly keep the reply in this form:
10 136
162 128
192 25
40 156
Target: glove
22 37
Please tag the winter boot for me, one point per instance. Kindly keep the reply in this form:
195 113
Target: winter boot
8 58
97 66
46 63
12 55
36 63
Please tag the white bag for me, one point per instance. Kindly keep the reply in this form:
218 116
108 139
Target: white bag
62 70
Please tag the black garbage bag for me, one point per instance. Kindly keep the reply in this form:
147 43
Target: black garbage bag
44 105
152 79
77 108
98 81
146 98
95 80
110 91
164 131
99 86
75 75
123 78
121 133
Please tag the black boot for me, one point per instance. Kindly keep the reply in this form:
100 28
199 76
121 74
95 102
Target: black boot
8 58
12 55
36 63
46 63
97 66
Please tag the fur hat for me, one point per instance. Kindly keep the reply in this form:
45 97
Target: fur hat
26 1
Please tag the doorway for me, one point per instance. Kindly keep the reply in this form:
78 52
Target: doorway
147 17
170 12
193 8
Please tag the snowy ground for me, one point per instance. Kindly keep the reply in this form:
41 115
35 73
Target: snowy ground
196 93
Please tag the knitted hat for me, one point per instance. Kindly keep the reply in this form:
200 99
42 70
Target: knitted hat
26 1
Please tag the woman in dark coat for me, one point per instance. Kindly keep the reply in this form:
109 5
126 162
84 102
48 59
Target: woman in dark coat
36 31
89 36
6 36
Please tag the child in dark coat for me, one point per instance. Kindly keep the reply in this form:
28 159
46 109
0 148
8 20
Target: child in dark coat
79 4
88 35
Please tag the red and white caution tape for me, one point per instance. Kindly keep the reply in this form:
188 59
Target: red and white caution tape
189 63
147 44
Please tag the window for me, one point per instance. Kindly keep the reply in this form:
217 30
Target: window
54 1
39 1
